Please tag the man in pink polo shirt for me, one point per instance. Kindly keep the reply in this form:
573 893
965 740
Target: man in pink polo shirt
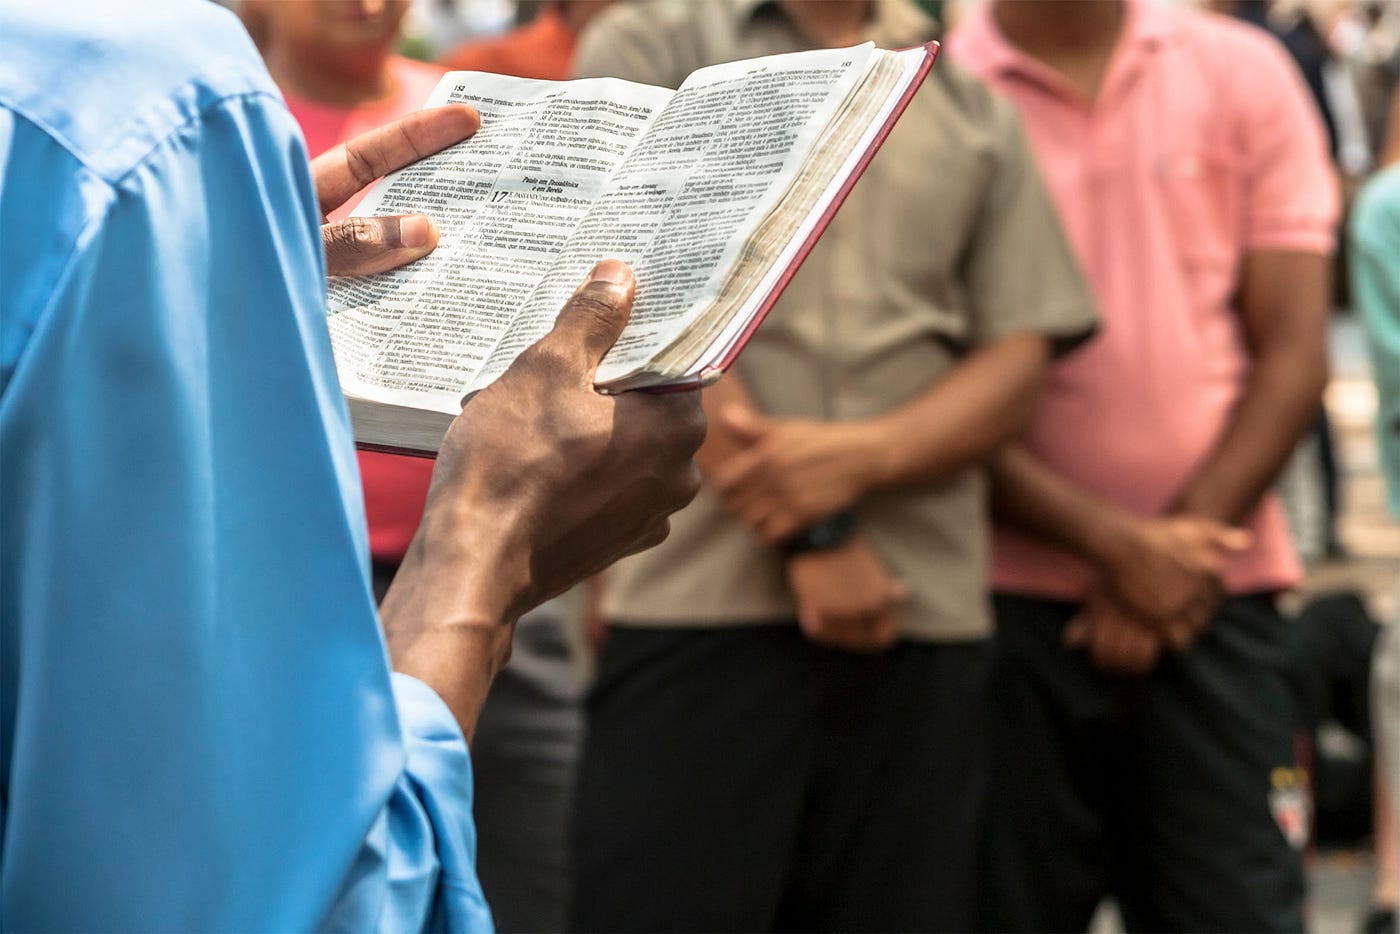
1142 725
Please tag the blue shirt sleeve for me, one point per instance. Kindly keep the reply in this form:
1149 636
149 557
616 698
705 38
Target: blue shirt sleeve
198 724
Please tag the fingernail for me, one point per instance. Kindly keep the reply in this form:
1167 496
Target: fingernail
416 232
611 271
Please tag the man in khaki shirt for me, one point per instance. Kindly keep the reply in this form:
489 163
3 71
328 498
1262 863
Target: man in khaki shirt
784 730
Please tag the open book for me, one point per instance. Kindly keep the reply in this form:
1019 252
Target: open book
713 193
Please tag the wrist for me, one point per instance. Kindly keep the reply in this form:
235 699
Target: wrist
875 455
458 664
1110 540
448 616
1199 505
463 570
825 535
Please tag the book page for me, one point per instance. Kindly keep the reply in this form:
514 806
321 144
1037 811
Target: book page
782 235
505 203
682 204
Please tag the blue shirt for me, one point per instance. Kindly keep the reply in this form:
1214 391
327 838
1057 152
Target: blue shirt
1375 276
198 724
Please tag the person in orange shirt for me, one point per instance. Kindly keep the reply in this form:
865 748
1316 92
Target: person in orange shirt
540 48
335 64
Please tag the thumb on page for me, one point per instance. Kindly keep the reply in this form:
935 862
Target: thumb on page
361 246
596 313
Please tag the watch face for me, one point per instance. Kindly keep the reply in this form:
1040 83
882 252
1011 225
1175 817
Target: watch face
824 535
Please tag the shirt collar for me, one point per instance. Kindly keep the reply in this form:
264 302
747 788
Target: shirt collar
1146 26
896 24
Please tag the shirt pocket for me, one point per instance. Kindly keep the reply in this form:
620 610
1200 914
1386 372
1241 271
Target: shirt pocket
1203 198
1201 190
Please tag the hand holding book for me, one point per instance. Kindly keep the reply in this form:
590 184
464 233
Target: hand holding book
360 246
540 483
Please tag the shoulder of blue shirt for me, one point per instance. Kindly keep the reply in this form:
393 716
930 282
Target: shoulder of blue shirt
110 81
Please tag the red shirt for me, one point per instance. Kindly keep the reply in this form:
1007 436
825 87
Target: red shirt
395 487
543 48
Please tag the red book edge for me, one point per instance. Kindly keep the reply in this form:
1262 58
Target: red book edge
711 374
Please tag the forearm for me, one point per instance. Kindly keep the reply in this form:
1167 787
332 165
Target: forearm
1283 315
1280 400
1031 497
449 617
780 476
988 400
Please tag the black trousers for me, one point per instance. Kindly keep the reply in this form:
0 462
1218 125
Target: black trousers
745 779
1170 792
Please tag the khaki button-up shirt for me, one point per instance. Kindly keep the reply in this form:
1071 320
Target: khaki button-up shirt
947 241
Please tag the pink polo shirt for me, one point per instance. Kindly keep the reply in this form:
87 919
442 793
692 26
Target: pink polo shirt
1202 146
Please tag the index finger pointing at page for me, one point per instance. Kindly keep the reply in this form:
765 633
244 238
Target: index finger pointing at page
345 170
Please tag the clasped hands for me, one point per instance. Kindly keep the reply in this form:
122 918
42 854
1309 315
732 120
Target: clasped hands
1160 582
786 475
1160 578
543 480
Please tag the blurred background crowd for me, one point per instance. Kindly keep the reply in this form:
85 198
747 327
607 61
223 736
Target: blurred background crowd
666 750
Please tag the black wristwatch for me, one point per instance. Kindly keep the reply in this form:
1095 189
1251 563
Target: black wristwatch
824 535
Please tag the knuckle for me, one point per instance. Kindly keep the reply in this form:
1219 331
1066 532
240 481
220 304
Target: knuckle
694 425
683 420
651 536
660 532
362 168
680 489
690 483
594 300
354 235
545 363
596 309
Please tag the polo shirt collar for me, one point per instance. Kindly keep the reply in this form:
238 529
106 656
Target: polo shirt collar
896 24
1146 26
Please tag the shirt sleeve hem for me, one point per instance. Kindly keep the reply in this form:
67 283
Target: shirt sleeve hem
422 713
1066 327
1319 240
439 768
